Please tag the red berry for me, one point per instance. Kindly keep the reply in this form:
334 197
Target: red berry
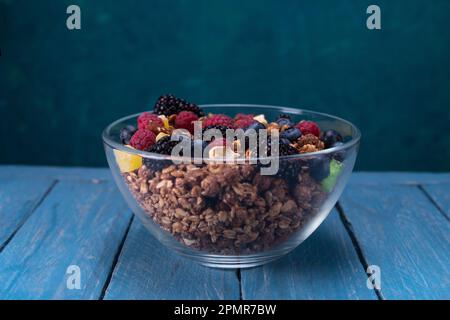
242 116
149 121
143 139
184 120
242 121
309 127
219 120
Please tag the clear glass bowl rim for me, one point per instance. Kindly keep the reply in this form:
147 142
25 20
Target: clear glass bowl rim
107 139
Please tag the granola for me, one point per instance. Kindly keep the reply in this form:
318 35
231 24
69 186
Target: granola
223 208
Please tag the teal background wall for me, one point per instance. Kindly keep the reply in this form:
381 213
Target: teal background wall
60 88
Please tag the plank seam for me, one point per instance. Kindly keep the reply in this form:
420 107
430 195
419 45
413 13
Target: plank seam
435 204
239 277
357 246
116 259
29 214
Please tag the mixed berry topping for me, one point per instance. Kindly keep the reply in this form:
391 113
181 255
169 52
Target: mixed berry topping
228 209
155 133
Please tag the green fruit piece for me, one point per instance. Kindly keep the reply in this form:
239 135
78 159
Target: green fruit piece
335 171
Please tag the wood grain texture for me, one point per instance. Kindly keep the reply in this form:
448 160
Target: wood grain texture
86 173
79 223
325 266
440 194
402 232
398 178
18 198
148 270
58 173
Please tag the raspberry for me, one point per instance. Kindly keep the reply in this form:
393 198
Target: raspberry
309 127
149 121
243 116
219 120
142 139
184 120
243 121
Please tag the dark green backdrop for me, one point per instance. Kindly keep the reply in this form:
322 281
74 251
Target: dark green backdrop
59 88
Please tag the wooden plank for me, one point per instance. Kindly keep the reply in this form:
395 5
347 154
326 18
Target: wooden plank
77 173
18 198
57 173
402 232
440 194
79 223
325 266
390 178
148 270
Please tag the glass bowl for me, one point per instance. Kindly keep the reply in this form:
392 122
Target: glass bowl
231 215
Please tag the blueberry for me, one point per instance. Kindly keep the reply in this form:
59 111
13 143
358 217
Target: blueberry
285 141
319 167
291 134
330 137
256 126
338 155
126 133
285 121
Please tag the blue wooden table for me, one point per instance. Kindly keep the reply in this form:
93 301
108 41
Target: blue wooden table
57 223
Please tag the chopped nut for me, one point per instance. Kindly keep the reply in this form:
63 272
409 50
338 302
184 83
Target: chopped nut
210 186
180 213
309 139
289 206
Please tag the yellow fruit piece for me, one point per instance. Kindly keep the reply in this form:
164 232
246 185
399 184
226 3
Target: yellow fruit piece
161 135
127 161
165 121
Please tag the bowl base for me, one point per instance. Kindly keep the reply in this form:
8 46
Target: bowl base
234 262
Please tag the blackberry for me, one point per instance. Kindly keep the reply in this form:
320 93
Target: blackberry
163 146
169 104
126 133
288 168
